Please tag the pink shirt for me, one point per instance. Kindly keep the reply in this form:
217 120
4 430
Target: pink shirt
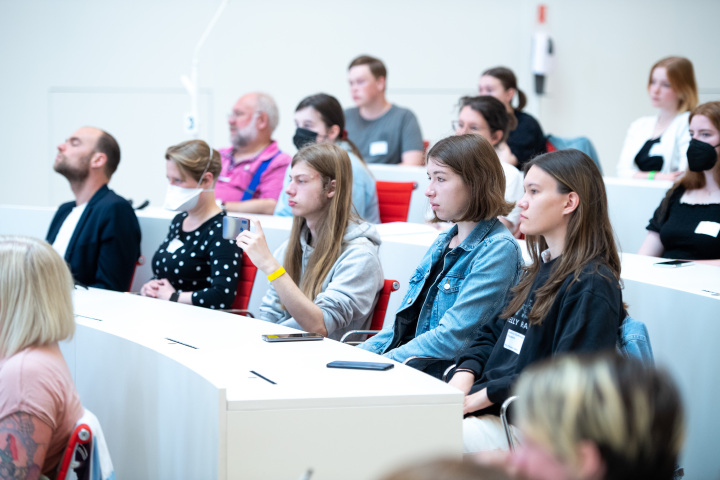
235 178
37 381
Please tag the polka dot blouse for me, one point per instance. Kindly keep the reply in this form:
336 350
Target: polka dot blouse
200 261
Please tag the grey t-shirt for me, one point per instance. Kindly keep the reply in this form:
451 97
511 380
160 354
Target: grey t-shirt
384 139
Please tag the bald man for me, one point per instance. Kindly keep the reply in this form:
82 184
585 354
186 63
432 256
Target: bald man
98 234
253 169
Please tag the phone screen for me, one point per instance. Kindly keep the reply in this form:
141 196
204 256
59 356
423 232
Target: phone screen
292 337
674 263
232 226
360 365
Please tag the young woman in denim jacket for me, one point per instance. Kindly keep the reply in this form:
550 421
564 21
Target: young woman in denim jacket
462 280
569 298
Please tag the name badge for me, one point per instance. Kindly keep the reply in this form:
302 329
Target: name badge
378 148
223 179
514 341
174 245
708 228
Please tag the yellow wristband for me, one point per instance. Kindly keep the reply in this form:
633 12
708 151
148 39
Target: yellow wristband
277 273
651 175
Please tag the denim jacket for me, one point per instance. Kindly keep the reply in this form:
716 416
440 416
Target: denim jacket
634 341
470 291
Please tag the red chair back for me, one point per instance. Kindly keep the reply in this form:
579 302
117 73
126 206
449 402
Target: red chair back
378 317
80 437
549 146
394 200
245 285
140 261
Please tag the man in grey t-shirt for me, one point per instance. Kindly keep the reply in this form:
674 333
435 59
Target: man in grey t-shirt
383 132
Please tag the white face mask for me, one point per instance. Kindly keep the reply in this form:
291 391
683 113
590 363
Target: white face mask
182 199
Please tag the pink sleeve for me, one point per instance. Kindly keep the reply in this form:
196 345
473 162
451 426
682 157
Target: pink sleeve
271 183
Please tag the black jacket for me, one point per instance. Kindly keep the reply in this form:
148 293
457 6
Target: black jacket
585 316
105 245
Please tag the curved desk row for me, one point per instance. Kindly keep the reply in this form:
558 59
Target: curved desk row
173 389
678 306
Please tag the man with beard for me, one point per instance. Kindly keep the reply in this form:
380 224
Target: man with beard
98 234
253 169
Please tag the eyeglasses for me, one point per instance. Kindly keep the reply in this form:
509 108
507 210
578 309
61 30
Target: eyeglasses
456 126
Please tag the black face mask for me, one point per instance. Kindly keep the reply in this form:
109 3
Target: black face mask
303 137
701 156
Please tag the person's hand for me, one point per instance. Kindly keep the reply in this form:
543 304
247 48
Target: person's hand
463 381
255 246
476 401
150 289
164 289
672 176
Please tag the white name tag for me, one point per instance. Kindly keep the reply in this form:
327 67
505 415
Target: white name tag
223 179
708 228
174 245
514 341
378 148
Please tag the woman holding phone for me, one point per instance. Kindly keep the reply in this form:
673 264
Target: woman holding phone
194 264
568 299
326 277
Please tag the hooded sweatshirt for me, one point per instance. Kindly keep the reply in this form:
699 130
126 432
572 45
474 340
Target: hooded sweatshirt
349 291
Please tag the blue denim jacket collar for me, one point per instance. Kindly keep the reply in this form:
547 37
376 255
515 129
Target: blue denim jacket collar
477 235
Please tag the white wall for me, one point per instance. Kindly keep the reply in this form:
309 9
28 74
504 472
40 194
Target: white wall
117 65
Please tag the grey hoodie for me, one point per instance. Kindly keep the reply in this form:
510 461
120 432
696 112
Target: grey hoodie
349 291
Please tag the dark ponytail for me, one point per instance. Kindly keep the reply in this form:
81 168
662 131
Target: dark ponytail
508 80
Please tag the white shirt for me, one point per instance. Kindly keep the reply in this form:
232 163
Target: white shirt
67 229
672 147
514 190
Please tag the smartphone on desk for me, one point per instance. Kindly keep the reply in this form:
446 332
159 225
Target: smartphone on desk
292 337
674 263
232 226
360 365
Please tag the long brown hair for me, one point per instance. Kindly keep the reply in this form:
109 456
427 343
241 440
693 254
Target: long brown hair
693 180
474 159
681 76
332 163
589 234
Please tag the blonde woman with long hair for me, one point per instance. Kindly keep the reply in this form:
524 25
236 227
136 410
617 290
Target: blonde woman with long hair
38 401
326 277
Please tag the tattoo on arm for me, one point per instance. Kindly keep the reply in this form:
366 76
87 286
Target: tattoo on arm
19 448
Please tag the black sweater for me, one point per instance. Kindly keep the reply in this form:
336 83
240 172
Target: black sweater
585 316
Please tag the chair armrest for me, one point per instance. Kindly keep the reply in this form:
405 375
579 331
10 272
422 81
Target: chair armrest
238 311
447 372
505 424
344 338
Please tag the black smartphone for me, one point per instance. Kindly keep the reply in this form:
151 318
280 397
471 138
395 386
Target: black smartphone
674 263
232 226
360 365
292 337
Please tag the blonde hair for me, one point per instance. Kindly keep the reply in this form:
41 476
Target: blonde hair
332 163
35 295
193 158
631 413
681 76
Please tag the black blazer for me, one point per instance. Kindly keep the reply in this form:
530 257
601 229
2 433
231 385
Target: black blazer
105 245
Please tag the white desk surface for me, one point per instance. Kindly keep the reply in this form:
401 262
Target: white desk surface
226 348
